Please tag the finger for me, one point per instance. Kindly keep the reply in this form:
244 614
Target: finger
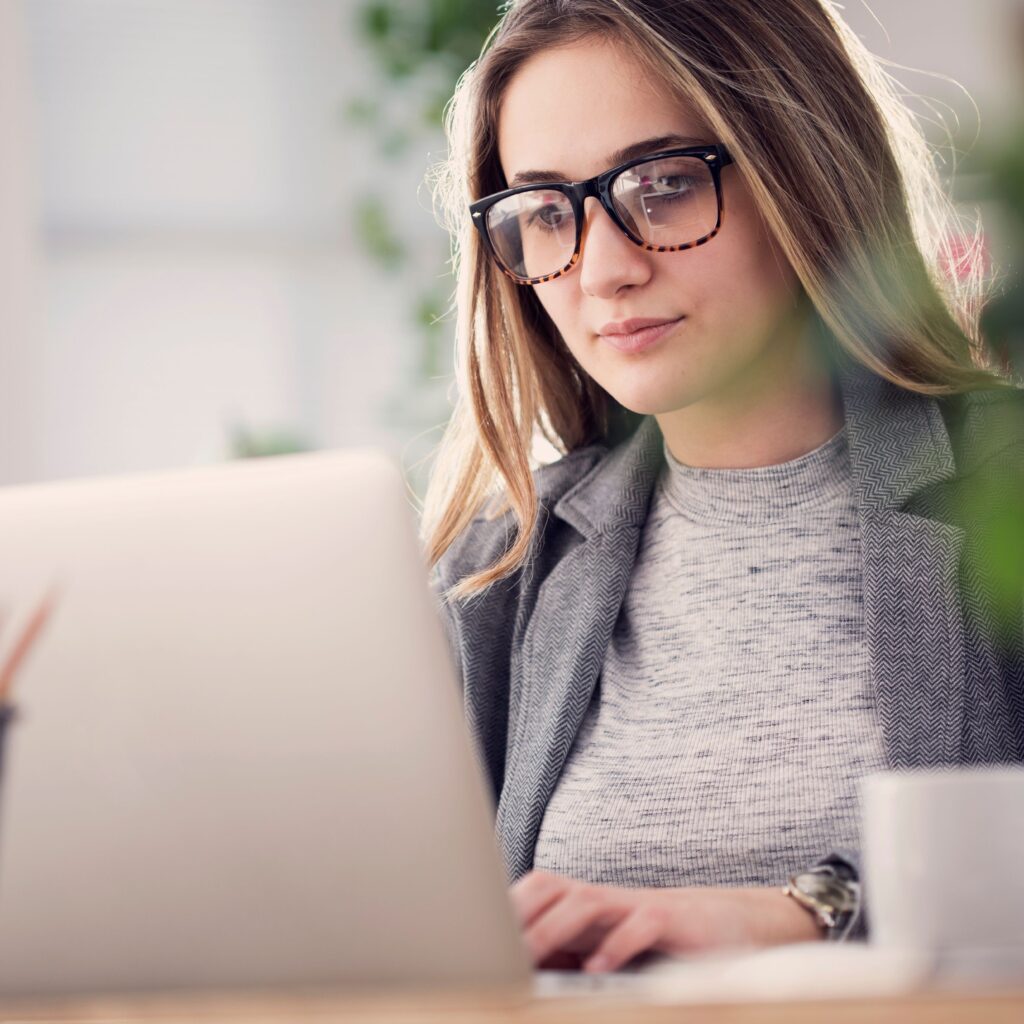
534 893
563 960
638 931
532 879
583 908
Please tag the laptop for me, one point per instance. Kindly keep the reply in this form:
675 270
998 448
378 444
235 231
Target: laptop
239 757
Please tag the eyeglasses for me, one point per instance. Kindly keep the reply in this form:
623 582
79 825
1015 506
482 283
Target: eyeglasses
662 202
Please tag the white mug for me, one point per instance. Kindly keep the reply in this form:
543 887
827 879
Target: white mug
943 863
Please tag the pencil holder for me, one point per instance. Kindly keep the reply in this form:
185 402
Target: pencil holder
7 715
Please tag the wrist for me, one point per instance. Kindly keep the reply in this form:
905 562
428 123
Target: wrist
796 923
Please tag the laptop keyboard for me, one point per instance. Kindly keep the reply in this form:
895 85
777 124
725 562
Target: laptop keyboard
632 979
577 983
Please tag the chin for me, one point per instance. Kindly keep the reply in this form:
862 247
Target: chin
649 406
650 403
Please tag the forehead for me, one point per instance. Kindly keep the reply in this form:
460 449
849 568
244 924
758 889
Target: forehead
568 109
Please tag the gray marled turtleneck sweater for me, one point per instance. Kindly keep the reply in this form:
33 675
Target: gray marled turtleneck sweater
734 713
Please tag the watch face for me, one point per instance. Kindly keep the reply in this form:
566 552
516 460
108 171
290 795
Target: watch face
827 889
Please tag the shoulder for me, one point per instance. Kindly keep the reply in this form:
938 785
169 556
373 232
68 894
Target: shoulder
486 539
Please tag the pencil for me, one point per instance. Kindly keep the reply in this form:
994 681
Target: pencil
24 644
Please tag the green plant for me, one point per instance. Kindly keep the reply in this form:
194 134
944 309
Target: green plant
419 49
425 44
1003 318
997 509
247 443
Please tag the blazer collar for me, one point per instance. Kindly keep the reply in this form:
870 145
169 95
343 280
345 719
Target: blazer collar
897 440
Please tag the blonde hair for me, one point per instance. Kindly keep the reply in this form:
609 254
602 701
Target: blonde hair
837 165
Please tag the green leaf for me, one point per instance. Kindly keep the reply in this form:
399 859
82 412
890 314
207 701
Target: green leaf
377 20
361 110
394 143
374 230
246 443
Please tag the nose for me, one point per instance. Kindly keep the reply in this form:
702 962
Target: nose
608 259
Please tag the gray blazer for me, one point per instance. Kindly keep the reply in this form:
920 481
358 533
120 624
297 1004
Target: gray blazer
949 684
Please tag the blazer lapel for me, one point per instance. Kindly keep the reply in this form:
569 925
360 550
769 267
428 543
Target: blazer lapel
561 651
899 446
915 633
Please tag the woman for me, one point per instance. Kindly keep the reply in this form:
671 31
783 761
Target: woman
702 250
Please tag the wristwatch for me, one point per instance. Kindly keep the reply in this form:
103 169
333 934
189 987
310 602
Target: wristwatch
829 892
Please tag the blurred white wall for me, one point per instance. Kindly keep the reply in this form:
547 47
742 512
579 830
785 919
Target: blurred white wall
961 64
196 179
949 46
191 208
20 280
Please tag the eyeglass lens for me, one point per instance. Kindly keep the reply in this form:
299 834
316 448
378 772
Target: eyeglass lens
670 202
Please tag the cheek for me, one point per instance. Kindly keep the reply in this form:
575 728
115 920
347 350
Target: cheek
759 259
563 307
560 302
743 279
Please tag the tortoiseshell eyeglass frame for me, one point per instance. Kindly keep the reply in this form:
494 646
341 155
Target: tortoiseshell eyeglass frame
600 187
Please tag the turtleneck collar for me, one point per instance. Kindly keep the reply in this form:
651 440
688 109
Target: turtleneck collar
758 492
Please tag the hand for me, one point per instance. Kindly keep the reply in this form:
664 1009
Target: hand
568 923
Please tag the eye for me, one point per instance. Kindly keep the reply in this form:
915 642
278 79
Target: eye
549 215
666 185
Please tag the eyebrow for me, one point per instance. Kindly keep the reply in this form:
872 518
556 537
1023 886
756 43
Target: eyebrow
620 156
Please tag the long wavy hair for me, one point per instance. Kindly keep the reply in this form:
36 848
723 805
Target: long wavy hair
837 165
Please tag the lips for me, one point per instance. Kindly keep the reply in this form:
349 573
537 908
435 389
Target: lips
638 334
636 324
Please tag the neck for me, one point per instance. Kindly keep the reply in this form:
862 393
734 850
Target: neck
785 405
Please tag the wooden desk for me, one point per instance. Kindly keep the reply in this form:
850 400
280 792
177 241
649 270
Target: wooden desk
1005 1007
